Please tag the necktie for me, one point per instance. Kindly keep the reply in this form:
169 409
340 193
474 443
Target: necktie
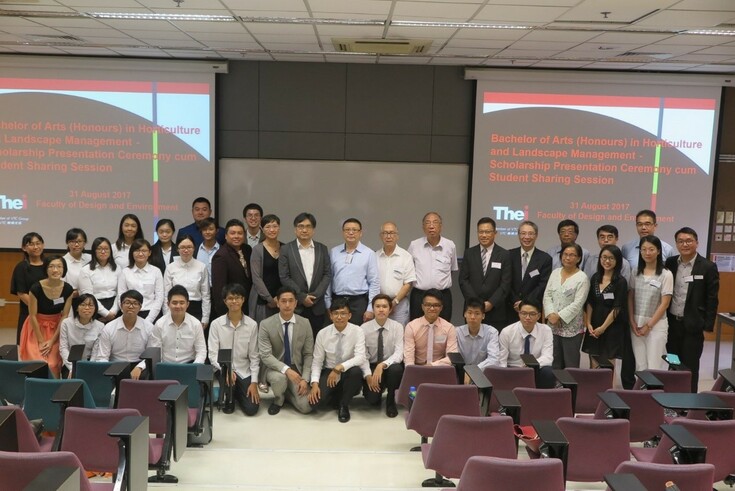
338 350
243 262
527 345
524 264
380 344
430 346
286 345
485 258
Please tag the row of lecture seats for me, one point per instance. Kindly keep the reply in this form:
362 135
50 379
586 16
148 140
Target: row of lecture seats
454 416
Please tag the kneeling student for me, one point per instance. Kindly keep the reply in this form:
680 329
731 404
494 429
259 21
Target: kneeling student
179 335
478 342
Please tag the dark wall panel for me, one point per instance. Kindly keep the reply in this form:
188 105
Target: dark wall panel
237 97
388 148
301 145
454 100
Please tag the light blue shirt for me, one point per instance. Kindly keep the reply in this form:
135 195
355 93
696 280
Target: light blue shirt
631 251
482 350
355 273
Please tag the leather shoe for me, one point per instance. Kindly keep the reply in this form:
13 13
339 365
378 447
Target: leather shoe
391 410
344 414
274 409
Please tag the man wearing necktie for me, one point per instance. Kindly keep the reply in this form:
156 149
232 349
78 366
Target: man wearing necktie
428 339
286 346
383 367
530 271
339 352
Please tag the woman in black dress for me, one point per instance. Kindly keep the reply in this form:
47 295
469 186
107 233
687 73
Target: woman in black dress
264 263
27 272
604 315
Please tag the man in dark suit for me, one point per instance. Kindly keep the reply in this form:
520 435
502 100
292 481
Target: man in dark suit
304 266
530 267
485 273
694 303
231 264
287 373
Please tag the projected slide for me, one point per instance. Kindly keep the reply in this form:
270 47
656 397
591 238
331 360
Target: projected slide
595 159
85 152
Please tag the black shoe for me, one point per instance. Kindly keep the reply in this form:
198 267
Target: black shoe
391 410
229 408
344 414
274 409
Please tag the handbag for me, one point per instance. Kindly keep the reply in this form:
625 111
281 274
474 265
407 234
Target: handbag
528 435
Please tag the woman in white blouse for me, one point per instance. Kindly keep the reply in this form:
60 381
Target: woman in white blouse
564 298
128 231
143 277
83 328
100 278
192 275
75 256
649 296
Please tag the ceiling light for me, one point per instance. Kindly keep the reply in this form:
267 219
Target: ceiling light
454 25
710 32
314 21
152 16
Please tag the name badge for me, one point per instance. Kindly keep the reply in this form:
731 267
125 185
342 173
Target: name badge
495 265
698 276
688 279
440 339
608 296
655 283
534 273
59 301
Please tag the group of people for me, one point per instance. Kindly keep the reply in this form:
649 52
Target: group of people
317 326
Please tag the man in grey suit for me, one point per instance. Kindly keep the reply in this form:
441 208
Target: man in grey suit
286 348
485 273
304 266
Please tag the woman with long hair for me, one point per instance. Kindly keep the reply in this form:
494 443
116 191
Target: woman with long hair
128 231
164 250
27 272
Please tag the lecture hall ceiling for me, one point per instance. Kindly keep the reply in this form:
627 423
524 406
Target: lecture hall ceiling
656 35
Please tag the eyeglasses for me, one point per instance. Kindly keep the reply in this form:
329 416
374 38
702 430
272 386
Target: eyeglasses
607 258
302 226
185 247
644 224
432 305
340 314
235 298
131 303
527 234
528 315
351 230
86 305
388 234
34 244
142 251
686 242
76 242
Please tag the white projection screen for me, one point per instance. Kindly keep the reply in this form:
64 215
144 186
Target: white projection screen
595 148
85 141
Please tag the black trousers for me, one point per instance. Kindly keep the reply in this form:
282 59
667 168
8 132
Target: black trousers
417 298
195 309
391 380
349 385
688 345
316 321
627 366
240 391
545 378
358 305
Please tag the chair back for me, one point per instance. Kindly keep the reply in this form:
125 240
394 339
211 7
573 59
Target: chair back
12 384
673 380
415 375
646 415
549 404
184 373
101 386
18 469
27 441
86 435
435 400
143 396
586 438
590 382
718 436
508 378
38 403
457 438
691 477
496 474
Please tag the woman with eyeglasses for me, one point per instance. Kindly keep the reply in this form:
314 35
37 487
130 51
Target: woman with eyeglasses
144 278
648 299
564 300
75 256
192 275
27 272
50 301
604 315
83 328
99 278
264 264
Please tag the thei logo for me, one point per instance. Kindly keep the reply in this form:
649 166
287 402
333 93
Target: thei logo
505 213
8 203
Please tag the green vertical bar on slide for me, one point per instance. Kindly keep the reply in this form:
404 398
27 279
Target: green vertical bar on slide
155 159
656 165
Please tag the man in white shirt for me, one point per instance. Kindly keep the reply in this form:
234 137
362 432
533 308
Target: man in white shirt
179 335
396 271
477 342
339 352
528 336
383 366
125 338
434 258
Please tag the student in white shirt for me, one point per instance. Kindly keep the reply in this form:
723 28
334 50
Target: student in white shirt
477 342
100 278
192 275
75 257
179 335
128 231
82 328
143 277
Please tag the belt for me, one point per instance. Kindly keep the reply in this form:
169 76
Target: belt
677 317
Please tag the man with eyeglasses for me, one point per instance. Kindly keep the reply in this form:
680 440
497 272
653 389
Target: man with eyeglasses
530 271
354 272
606 235
568 231
428 339
434 258
396 272
304 266
125 338
693 307
529 336
645 225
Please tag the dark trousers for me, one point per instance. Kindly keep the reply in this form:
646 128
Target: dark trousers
316 321
195 309
241 396
349 385
391 380
358 305
627 366
688 345
566 351
545 378
417 298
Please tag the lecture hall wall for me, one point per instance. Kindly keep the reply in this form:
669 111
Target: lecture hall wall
343 112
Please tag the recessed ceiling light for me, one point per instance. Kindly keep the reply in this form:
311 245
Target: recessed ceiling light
455 25
710 32
315 21
152 16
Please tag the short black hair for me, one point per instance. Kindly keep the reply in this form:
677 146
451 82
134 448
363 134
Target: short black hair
206 223
234 289
531 303
73 233
269 218
79 300
686 230
648 213
134 294
201 199
567 223
177 290
234 222
286 289
433 292
340 303
381 296
610 229
352 220
474 303
53 257
252 206
304 216
484 220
